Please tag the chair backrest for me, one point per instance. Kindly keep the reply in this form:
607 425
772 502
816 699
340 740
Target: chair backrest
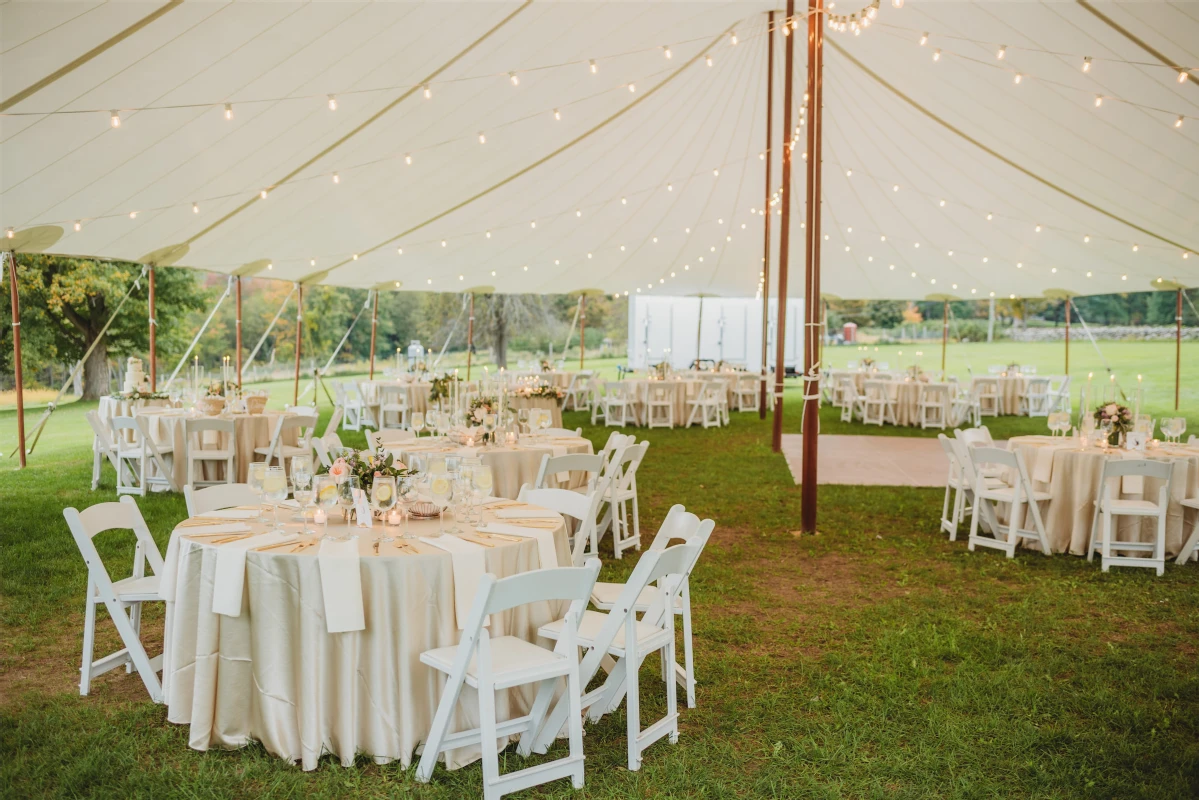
322 447
950 452
987 386
123 515
339 392
303 410
563 432
575 462
103 433
679 524
876 390
126 424
196 427
1038 386
983 456
628 463
582 507
339 411
975 437
615 390
846 384
1119 467
934 393
223 495
965 463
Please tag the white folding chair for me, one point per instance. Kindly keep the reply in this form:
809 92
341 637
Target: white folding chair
367 397
578 392
553 466
679 524
583 508
878 406
617 441
489 665
990 399
746 393
987 496
960 483
104 445
619 634
563 432
659 405
622 492
308 410
144 460
596 393
1059 395
122 598
214 498
1034 400
224 453
395 401
705 407
1191 548
965 408
932 405
339 411
618 404
303 425
1104 536
852 404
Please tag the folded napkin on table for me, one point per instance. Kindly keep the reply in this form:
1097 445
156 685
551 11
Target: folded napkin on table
216 527
341 586
178 546
230 579
467 560
527 512
500 501
231 513
546 550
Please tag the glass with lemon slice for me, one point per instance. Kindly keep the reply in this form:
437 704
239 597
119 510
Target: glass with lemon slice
325 497
441 490
383 499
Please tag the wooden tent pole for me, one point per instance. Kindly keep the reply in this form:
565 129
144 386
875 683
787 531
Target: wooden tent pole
470 334
1067 337
153 337
1177 346
582 328
944 336
237 327
766 206
295 395
374 327
16 349
784 231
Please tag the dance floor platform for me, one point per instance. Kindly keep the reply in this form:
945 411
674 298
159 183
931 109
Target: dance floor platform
872 460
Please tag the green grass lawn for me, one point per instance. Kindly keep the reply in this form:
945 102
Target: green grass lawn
876 659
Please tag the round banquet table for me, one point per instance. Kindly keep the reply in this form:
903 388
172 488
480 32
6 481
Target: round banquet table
417 392
548 403
1071 476
907 403
1010 389
511 466
276 675
249 431
680 391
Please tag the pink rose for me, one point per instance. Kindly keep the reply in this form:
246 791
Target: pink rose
340 470
1110 409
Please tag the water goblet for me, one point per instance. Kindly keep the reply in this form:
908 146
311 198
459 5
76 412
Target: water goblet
441 491
345 497
1180 424
482 482
543 420
522 416
383 499
302 492
453 465
418 422
274 487
409 494
256 475
325 489
489 423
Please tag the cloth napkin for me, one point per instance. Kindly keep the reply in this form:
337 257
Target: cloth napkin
216 527
525 513
232 513
341 586
467 560
546 550
178 546
229 581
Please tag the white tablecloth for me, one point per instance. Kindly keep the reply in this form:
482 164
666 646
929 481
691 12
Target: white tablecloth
510 466
249 431
274 673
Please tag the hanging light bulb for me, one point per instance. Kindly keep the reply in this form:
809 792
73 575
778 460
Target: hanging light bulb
312 262
332 103
515 80
942 204
624 201
132 215
849 173
9 232
79 227
989 216
399 252
708 60
1135 248
488 234
195 210
1038 229
895 188
670 187
355 256
1098 100
114 119
937 54
482 138
336 178
578 212
733 38
1086 64
593 65
1178 122
228 111
1001 52
262 194
557 114
715 173
408 158
428 92
1086 239
786 30
666 51
1018 77
872 12
1182 76
924 39
533 224
632 87
270 265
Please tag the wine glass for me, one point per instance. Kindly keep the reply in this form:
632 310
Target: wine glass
1105 427
1181 423
325 488
302 492
543 420
383 499
255 476
274 487
453 465
489 421
418 422
522 416
482 483
442 491
345 496
301 465
434 421
409 493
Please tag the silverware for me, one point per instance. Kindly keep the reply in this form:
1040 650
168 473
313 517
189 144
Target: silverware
272 546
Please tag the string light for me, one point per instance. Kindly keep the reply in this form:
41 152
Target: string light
515 80
428 92
355 256
557 114
1001 52
666 51
937 54
708 60
632 87
1178 122
482 138
897 3
733 38
1182 76
1086 64
195 210
312 262
989 216
336 178
924 39
262 194
79 227
228 111
488 234
715 173
399 252
114 119
1086 239
132 215
1098 100
1038 229
443 242
594 66
332 103
408 159
1017 78
624 201
578 212
9 232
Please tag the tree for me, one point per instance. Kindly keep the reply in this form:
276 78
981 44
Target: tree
502 311
74 298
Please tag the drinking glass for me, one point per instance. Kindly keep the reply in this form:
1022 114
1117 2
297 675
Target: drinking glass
482 483
489 421
442 491
453 465
345 497
325 487
522 416
408 495
433 419
256 475
274 487
1105 427
301 465
1181 426
543 420
383 499
418 422
302 492
461 503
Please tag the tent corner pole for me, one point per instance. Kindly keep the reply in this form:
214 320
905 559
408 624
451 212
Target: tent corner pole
944 336
153 334
374 328
470 335
1177 346
237 326
582 329
295 394
16 347
765 276
1067 337
776 440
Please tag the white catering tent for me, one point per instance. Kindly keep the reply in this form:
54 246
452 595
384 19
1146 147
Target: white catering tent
555 146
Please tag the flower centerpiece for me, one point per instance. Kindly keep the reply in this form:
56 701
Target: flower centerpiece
661 369
480 407
545 366
1120 418
541 390
867 363
440 389
366 466
137 394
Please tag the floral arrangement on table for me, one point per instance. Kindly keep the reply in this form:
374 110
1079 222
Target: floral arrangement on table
440 389
366 466
867 363
137 395
917 374
723 365
1013 368
1120 418
661 369
223 389
551 392
545 366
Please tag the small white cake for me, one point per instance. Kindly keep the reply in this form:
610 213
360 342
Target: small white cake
135 376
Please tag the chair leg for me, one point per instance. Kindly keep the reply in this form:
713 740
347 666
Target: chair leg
636 521
1190 547
487 736
89 642
633 713
574 690
688 649
672 692
437 731
95 469
1107 541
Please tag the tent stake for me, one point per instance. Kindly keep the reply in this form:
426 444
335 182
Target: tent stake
153 337
16 349
766 206
295 392
374 327
785 230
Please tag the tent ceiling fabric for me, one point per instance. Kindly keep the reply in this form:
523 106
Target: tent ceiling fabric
653 188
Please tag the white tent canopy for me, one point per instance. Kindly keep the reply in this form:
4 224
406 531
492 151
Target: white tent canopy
643 174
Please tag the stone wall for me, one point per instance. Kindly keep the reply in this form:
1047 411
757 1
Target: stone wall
1077 333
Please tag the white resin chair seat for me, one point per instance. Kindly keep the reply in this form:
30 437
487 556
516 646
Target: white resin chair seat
1191 548
1140 508
223 495
995 489
510 657
605 595
649 637
137 590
